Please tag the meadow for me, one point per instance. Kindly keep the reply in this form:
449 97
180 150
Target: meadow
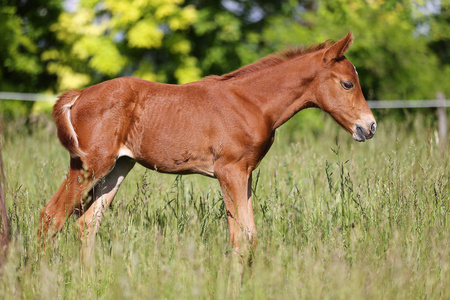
336 219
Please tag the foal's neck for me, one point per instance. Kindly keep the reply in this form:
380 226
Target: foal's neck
280 91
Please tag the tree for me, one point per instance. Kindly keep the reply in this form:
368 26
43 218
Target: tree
24 36
106 39
439 36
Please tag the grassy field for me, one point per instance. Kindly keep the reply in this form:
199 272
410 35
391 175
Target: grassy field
336 219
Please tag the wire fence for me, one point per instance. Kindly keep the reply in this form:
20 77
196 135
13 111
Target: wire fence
27 96
442 102
409 103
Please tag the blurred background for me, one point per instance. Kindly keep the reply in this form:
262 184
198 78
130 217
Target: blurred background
401 48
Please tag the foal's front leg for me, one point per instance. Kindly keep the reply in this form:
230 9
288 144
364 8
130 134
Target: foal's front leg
236 184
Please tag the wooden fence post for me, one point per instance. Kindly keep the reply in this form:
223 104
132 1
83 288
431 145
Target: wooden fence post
4 223
442 119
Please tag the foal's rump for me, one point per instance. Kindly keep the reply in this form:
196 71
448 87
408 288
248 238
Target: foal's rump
94 121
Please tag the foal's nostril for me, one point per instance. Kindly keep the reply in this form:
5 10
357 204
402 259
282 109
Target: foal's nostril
373 127
360 133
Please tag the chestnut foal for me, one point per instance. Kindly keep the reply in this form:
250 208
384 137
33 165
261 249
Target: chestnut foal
221 127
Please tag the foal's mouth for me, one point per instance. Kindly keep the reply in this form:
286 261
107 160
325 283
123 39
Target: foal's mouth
362 135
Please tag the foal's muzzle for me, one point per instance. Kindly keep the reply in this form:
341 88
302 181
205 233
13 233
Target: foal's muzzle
361 134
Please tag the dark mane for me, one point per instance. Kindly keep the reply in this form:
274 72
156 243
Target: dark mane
272 60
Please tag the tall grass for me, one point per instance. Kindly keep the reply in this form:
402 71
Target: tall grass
336 219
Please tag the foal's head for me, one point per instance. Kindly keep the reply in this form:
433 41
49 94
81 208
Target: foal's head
337 91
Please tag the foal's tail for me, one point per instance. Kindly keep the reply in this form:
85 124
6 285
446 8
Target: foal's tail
61 114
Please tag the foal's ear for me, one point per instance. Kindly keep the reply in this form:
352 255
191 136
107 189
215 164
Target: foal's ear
338 50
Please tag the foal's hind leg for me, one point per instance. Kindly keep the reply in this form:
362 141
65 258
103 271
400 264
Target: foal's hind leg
68 196
104 193
70 193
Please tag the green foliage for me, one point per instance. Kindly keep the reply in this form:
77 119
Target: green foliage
24 36
123 38
11 110
400 50
17 50
336 219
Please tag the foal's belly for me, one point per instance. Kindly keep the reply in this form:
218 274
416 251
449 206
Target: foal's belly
176 161
192 166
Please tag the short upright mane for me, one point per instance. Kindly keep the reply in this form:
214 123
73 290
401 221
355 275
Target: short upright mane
272 60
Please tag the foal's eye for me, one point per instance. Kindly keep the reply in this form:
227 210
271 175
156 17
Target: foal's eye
347 85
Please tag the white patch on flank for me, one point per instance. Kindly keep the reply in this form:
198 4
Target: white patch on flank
124 151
